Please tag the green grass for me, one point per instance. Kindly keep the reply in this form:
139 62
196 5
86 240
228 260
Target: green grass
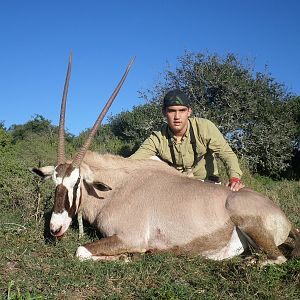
32 267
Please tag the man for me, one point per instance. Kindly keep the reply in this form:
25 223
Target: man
190 144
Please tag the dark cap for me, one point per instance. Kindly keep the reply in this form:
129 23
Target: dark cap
176 97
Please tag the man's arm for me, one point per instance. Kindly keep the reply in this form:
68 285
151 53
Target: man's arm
218 144
147 149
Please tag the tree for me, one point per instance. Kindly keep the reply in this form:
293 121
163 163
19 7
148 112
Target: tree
5 137
37 126
133 127
294 170
295 108
104 141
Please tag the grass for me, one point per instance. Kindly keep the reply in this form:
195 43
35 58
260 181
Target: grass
35 267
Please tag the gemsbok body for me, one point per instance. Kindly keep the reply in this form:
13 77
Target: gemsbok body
145 205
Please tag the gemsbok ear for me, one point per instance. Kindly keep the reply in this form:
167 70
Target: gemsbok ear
91 190
101 186
44 172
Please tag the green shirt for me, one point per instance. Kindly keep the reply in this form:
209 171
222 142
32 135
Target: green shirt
209 144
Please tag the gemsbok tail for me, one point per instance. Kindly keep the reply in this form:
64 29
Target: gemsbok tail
295 234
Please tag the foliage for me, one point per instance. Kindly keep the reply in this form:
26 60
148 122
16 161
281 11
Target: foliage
19 188
5 138
268 142
295 108
252 111
294 169
105 141
14 293
38 126
135 126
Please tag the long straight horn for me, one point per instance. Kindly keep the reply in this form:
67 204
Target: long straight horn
61 129
80 155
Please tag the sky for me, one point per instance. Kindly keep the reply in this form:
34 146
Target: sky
37 36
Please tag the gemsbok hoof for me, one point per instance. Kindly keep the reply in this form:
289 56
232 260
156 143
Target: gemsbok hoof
83 254
278 261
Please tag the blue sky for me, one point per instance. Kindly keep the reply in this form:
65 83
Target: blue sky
36 37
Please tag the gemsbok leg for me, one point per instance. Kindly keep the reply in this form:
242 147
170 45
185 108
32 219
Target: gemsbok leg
262 221
109 248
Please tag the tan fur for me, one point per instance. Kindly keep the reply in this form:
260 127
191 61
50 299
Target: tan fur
153 207
211 242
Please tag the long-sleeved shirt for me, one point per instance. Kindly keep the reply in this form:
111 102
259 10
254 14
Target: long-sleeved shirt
209 144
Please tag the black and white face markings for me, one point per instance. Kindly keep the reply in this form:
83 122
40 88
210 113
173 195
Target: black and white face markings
67 198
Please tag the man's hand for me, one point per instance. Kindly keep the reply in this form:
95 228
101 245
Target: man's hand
235 184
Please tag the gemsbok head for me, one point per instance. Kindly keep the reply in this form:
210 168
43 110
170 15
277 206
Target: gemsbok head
66 175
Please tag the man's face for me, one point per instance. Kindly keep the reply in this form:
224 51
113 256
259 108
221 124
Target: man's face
177 118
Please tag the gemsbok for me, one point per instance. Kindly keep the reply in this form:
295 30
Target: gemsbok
146 205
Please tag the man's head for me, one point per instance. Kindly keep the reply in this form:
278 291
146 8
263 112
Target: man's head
177 110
